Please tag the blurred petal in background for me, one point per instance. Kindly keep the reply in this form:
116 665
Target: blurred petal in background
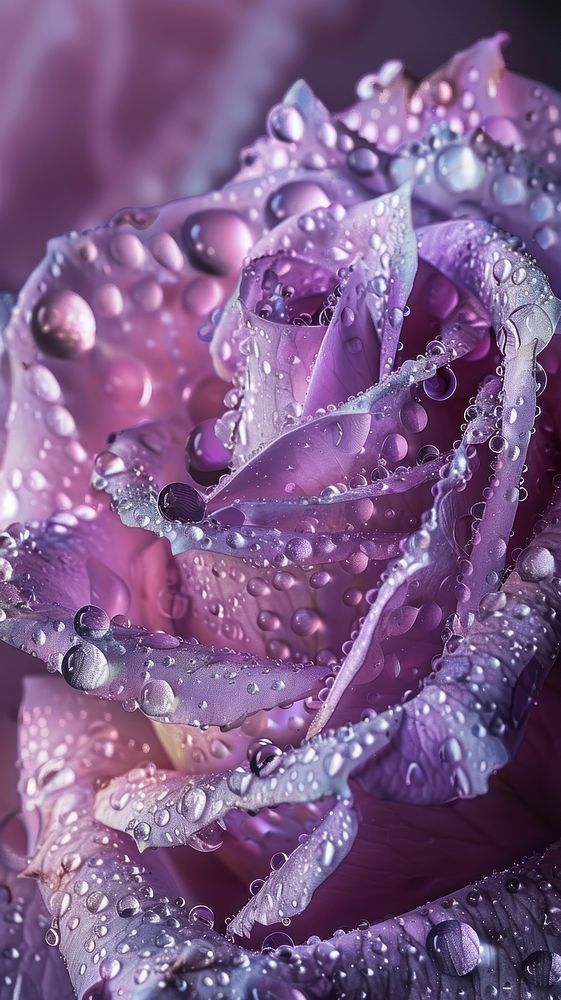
107 103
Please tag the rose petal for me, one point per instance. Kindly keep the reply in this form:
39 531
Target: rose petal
118 928
288 889
168 678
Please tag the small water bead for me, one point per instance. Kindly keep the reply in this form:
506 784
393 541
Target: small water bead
91 622
442 385
44 384
193 804
107 463
109 301
63 325
128 906
542 968
258 587
454 947
167 252
283 580
502 270
141 831
157 698
97 901
162 817
264 757
216 240
110 968
203 915
85 667
278 860
268 621
286 123
127 250
181 502
295 198
497 444
6 570
52 935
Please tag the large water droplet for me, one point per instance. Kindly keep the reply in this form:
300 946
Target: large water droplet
454 946
442 385
264 757
157 698
91 622
285 122
216 240
536 563
543 968
127 906
295 198
459 169
203 915
181 502
85 667
63 325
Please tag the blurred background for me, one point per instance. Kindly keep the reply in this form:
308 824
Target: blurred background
107 103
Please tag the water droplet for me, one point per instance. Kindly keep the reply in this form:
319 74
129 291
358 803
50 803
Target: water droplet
126 249
193 804
305 621
167 252
502 270
97 901
52 935
454 947
459 169
542 968
536 563
203 915
295 198
109 968
181 502
286 123
85 667
509 190
264 757
91 622
217 240
206 458
363 161
128 906
442 385
394 447
63 325
157 698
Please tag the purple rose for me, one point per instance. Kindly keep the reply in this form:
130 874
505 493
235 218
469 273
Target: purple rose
285 467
